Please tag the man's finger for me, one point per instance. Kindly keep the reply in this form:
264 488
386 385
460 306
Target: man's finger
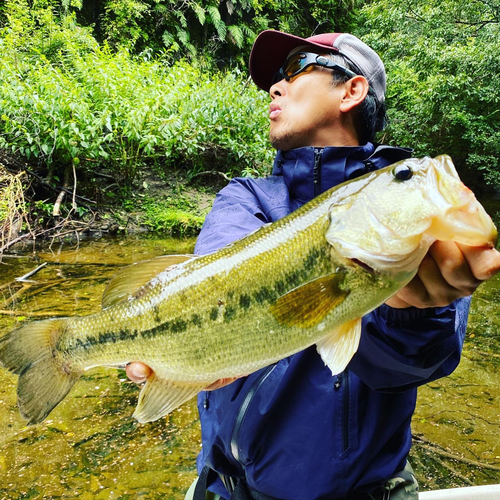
483 262
138 372
454 267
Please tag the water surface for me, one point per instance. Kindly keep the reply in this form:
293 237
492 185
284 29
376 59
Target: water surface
91 448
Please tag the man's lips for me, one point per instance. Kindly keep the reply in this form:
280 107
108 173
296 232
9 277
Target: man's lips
274 111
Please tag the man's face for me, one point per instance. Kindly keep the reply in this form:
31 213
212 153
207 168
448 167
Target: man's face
305 110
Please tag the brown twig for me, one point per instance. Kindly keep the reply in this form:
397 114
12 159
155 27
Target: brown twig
39 314
14 296
426 445
31 273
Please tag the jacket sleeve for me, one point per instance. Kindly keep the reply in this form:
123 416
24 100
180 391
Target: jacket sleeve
240 208
403 348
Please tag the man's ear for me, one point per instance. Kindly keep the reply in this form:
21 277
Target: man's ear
355 91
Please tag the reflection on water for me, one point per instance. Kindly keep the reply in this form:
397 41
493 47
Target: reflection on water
457 422
91 448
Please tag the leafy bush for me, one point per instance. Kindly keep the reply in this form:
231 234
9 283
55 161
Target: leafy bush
443 63
100 107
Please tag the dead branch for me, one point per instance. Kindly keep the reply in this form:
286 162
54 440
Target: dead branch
427 445
56 212
27 235
14 241
73 206
58 189
57 205
212 172
39 314
31 273
16 295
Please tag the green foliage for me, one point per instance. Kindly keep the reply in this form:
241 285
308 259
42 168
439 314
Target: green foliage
132 101
96 107
123 19
173 216
220 31
44 27
443 61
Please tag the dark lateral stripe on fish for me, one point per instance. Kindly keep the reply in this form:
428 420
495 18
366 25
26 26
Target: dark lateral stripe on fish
175 326
222 312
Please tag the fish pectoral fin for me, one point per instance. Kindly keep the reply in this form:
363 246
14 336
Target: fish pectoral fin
159 397
307 305
337 348
127 282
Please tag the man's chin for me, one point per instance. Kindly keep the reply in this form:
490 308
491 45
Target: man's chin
282 143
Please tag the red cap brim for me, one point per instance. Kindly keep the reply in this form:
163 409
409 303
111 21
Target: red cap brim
270 51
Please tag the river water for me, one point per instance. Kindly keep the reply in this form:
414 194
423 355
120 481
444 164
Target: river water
91 448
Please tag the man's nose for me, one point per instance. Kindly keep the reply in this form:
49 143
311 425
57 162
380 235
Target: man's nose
277 89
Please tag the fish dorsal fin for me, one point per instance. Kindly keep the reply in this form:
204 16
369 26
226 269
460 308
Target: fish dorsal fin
160 397
337 348
128 281
307 305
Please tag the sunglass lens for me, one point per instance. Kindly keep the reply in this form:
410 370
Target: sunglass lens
295 65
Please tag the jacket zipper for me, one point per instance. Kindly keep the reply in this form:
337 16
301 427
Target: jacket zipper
343 380
240 417
317 171
345 401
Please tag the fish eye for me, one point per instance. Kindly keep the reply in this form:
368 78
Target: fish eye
402 172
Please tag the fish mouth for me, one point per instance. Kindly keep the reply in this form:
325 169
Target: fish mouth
363 265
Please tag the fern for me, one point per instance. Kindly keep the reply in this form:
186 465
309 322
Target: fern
217 21
248 32
183 36
200 13
237 35
168 38
182 18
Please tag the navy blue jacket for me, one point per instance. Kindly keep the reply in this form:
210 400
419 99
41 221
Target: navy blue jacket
293 430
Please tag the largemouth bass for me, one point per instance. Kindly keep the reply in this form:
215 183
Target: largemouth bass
303 280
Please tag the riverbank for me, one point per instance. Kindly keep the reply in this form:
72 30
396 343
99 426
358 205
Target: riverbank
168 203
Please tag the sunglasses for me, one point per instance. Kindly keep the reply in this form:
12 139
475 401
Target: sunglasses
300 61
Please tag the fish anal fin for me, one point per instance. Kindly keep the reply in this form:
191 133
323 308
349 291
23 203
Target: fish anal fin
127 282
160 397
337 348
307 305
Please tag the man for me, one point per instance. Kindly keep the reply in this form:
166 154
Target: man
292 431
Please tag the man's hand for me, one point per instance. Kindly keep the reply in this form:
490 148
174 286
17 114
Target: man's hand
449 271
139 373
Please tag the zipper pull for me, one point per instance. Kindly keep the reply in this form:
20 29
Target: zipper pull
317 171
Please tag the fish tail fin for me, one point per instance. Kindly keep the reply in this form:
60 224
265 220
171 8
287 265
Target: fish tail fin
44 377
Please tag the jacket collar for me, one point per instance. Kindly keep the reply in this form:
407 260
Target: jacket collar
309 171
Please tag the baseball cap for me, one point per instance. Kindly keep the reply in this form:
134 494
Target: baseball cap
271 48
